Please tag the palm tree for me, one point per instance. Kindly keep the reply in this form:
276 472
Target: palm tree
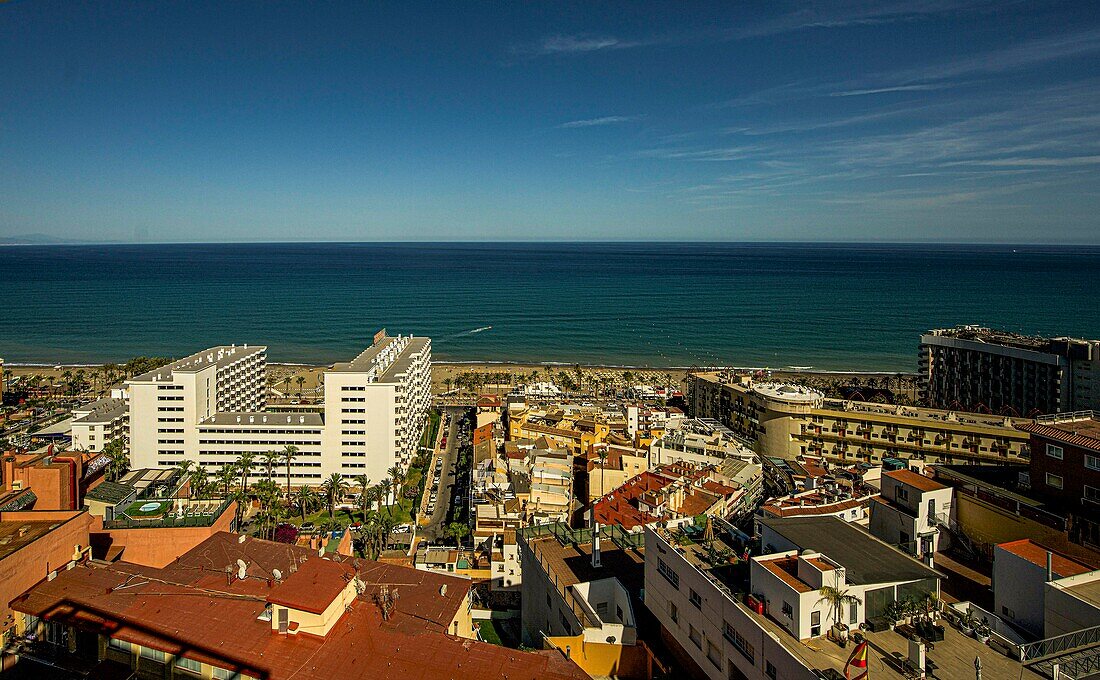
119 460
364 494
286 385
305 500
837 598
301 380
226 476
200 483
244 466
397 476
270 459
333 490
386 485
289 454
602 455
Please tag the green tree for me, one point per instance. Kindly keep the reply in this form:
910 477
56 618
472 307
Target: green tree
244 467
333 490
837 599
364 494
269 459
386 486
226 476
119 463
289 454
301 380
457 531
306 499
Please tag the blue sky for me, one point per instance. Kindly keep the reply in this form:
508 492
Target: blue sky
914 120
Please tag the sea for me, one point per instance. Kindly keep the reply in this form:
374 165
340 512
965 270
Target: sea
827 306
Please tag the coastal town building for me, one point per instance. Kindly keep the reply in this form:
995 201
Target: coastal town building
49 481
97 424
35 546
1021 571
210 408
789 420
910 512
700 440
609 467
236 606
849 502
581 591
672 493
980 369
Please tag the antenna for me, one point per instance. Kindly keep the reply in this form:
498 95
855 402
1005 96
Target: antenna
242 569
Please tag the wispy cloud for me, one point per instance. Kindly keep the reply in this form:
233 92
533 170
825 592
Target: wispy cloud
596 122
576 44
842 14
921 87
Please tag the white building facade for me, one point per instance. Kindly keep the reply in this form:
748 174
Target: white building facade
210 408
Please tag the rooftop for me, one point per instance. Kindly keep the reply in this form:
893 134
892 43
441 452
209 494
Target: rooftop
193 608
1083 431
1036 553
794 394
100 411
219 356
914 479
18 534
866 558
246 418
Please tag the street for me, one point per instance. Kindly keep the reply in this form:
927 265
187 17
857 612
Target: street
437 523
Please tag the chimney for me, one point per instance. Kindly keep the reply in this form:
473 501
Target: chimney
1050 566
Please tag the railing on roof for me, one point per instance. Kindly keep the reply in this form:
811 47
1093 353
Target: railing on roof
207 517
567 535
1068 417
1059 644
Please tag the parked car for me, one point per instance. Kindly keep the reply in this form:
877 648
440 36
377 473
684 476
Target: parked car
307 527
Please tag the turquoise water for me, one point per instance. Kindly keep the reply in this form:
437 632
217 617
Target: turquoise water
663 304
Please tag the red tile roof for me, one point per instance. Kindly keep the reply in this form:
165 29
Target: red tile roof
1068 432
786 569
1036 553
915 480
313 586
193 608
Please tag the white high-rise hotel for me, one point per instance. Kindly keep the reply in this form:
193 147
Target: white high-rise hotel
210 408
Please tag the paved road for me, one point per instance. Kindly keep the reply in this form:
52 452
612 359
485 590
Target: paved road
433 530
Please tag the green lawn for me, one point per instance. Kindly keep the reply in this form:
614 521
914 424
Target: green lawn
134 510
489 632
428 438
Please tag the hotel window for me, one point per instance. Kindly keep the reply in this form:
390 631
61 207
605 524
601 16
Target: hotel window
695 599
815 623
739 641
673 612
1092 494
788 610
1092 462
152 654
670 575
1054 481
695 637
1054 451
120 645
188 664
769 670
714 655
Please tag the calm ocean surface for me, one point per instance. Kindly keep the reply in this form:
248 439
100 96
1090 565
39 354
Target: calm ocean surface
826 306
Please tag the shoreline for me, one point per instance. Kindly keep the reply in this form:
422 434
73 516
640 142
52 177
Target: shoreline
474 363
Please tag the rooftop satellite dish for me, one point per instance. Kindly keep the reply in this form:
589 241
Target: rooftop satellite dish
277 574
242 538
321 551
242 569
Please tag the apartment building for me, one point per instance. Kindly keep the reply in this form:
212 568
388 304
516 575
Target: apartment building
789 420
99 423
910 512
580 592
974 368
210 408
